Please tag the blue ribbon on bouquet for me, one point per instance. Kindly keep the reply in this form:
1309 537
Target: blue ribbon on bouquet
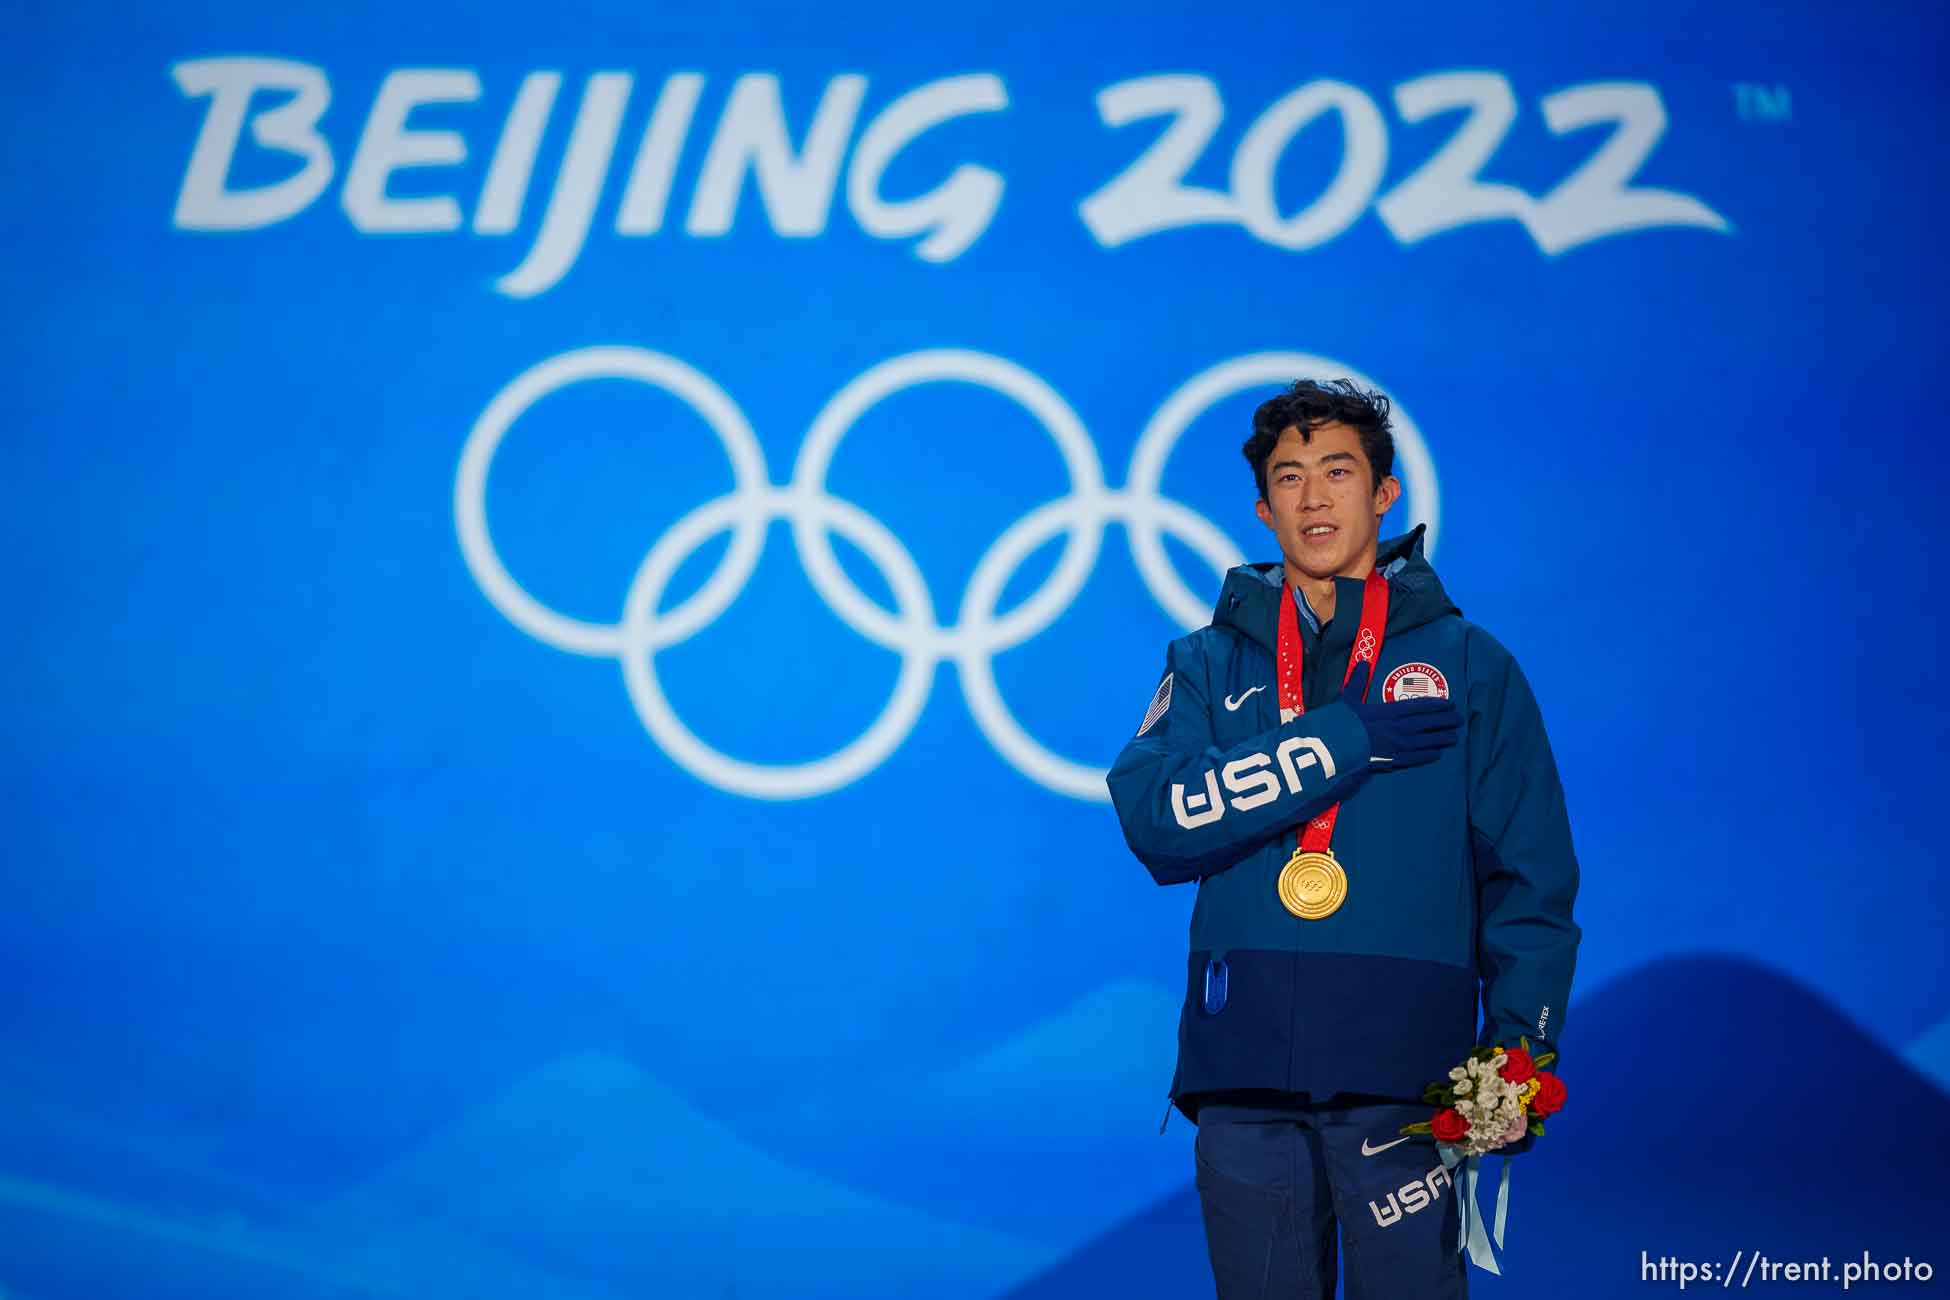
1471 1237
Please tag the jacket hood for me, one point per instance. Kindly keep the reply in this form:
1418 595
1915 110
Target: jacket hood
1249 602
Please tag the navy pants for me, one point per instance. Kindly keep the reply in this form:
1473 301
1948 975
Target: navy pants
1275 1183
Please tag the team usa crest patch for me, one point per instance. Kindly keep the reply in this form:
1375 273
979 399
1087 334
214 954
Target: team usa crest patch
1415 681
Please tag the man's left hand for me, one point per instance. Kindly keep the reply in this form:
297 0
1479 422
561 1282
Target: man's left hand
1518 1147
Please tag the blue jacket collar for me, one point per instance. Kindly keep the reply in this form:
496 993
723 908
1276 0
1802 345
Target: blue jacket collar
1249 602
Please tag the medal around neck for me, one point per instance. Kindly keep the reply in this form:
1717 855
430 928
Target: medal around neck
1313 884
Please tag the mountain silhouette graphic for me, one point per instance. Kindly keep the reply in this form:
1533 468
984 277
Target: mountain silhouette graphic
1929 1053
1049 1135
55 1241
587 1168
1715 1106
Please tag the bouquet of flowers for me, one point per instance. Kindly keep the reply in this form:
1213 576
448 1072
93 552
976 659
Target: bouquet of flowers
1492 1099
1495 1097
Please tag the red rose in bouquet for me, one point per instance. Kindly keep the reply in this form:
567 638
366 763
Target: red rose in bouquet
1517 1065
1448 1126
1550 1094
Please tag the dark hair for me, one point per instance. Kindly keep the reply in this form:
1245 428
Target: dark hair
1308 405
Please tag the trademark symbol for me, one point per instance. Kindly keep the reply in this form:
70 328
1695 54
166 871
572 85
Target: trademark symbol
1757 103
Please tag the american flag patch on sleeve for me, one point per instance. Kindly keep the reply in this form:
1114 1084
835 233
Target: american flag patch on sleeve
1159 704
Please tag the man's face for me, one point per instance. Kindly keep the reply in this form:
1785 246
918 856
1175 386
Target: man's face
1320 502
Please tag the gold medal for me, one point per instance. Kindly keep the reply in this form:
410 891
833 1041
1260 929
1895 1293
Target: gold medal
1312 884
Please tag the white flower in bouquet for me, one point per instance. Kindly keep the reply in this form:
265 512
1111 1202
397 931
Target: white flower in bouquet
1492 1105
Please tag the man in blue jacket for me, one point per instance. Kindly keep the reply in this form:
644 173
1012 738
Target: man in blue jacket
1360 783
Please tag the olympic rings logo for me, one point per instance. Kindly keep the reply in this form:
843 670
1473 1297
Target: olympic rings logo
912 630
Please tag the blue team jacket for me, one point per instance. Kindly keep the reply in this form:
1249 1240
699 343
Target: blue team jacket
1461 874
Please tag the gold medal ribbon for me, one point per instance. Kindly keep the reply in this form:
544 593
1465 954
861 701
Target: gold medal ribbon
1312 883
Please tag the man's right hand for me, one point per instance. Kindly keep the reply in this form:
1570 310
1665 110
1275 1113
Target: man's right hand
1406 733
